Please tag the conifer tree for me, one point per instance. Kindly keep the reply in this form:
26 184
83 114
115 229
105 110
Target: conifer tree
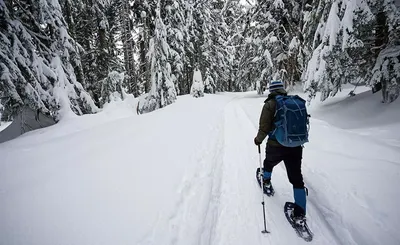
39 61
163 90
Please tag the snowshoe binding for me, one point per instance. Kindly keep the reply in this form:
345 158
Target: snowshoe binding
298 222
267 188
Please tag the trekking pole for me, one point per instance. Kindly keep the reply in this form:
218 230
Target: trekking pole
262 190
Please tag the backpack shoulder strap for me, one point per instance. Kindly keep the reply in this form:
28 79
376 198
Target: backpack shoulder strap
299 98
281 98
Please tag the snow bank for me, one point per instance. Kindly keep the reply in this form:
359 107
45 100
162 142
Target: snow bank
363 114
4 125
115 110
97 180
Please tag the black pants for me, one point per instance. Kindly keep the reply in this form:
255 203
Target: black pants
291 156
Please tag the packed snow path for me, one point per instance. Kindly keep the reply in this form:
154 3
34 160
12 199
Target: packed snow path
186 175
234 214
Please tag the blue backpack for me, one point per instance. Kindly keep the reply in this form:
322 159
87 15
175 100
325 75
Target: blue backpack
291 121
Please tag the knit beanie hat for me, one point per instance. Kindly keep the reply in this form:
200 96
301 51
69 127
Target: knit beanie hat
275 85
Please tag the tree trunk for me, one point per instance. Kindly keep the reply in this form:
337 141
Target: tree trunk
381 39
128 48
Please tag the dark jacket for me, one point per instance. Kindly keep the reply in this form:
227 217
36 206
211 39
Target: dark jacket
267 118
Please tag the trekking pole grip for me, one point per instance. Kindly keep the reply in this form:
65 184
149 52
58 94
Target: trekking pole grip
259 149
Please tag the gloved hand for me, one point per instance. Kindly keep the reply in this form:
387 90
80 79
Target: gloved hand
256 142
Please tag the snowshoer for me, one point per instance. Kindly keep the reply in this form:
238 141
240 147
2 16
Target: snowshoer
276 152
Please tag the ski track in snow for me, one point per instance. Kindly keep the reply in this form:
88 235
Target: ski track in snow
199 196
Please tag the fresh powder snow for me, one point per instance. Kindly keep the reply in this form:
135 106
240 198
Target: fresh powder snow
185 174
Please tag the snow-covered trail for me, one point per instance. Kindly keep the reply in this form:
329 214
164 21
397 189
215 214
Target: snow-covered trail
186 175
341 207
220 201
240 215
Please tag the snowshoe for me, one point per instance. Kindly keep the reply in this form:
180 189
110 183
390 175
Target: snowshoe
267 188
298 223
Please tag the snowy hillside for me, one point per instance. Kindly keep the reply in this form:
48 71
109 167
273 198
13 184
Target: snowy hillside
185 174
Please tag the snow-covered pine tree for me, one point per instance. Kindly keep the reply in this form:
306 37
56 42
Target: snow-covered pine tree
79 16
37 60
341 46
193 38
197 89
231 23
125 16
162 91
287 15
313 24
256 64
71 10
232 20
117 16
209 35
174 16
112 87
99 50
272 43
209 84
214 53
144 17
387 49
97 30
